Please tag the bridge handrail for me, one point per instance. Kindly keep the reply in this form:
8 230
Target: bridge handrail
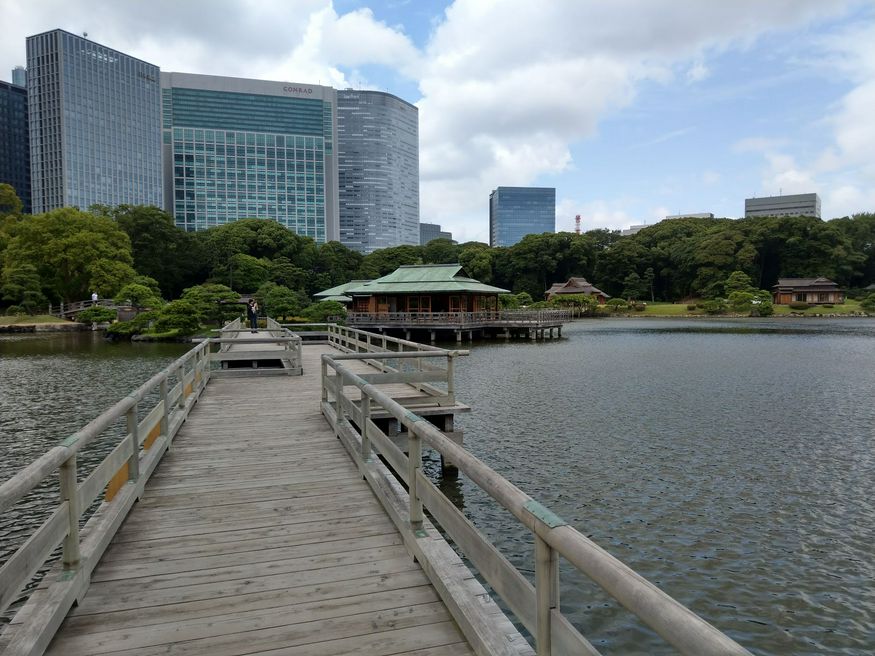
122 473
536 607
353 340
292 340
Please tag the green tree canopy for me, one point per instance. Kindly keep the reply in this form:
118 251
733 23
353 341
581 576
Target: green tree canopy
67 247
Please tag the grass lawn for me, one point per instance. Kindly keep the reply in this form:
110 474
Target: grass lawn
848 307
28 319
680 310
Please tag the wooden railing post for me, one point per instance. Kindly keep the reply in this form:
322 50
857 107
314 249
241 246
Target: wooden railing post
180 374
324 381
134 431
414 465
451 386
165 406
366 417
69 493
546 593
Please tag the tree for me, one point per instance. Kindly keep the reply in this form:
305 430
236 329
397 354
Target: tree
738 281
580 304
386 260
649 277
633 287
66 246
178 317
248 273
160 249
20 285
440 251
139 296
280 301
214 303
108 277
10 203
868 303
325 310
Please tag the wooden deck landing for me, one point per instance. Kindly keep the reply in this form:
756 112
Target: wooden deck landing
258 535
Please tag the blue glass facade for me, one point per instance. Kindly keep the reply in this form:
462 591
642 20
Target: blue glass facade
378 170
95 124
14 144
238 149
515 212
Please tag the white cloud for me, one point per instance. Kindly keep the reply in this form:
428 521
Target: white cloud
710 177
697 72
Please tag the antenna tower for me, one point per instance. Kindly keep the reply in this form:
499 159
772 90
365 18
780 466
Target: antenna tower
577 224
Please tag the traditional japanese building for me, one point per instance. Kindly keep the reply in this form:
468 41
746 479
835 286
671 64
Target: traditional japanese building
425 288
813 291
577 286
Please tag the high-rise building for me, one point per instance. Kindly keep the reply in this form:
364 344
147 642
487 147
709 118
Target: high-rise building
789 205
515 212
95 124
429 231
378 170
19 76
236 148
14 142
694 215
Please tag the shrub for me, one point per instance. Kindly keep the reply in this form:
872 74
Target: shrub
714 306
639 307
179 317
799 305
321 311
616 304
136 326
96 315
691 306
15 311
828 305
868 303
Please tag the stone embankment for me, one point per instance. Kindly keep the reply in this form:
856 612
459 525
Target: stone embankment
60 327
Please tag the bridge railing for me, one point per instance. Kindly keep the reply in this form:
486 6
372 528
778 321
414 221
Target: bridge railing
417 372
120 476
65 309
536 607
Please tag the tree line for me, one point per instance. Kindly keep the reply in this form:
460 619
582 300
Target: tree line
66 254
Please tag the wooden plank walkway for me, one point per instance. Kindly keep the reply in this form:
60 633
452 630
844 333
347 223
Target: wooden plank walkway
257 534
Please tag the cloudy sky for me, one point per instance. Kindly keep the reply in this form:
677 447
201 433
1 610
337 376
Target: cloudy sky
632 109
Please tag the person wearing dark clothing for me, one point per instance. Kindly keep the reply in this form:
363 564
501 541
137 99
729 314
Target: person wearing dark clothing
252 312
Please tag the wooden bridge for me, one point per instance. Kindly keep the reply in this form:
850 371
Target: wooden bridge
278 514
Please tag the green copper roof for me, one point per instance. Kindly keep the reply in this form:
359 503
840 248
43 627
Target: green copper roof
340 290
415 278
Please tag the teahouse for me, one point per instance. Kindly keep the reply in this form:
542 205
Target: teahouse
807 290
577 286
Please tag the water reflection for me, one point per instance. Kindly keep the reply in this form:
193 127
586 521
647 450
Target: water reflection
729 462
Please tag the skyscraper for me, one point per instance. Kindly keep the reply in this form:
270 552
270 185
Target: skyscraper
95 124
378 170
14 143
515 212
430 231
237 148
19 76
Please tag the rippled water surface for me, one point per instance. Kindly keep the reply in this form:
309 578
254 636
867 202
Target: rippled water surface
731 463
52 384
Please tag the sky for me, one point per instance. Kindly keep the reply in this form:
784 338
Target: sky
631 109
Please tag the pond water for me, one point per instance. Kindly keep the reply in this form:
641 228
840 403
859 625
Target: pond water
729 462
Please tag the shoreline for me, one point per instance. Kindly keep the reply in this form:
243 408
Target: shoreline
66 327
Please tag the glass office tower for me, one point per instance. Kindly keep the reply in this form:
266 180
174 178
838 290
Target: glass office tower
378 170
235 148
14 143
95 124
515 212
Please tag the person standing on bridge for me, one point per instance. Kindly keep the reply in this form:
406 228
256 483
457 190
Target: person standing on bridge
94 297
252 311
